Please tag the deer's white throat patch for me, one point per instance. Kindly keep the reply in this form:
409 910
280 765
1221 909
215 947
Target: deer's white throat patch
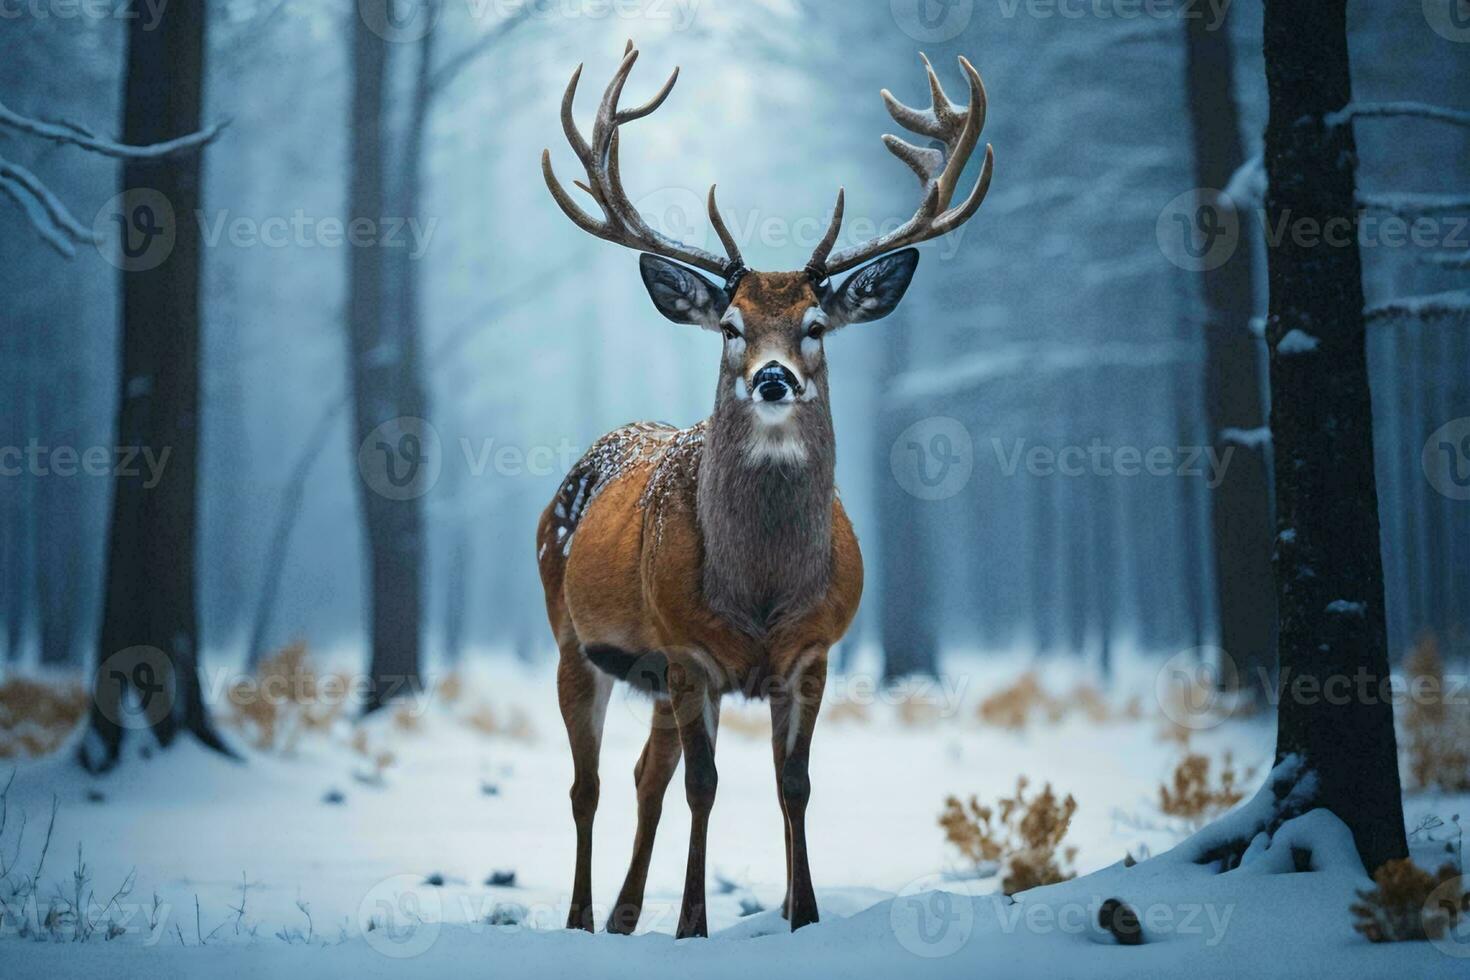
774 441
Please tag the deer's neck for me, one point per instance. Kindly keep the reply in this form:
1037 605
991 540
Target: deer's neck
766 516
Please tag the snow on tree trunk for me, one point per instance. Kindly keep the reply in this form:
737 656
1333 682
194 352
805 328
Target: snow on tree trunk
1333 654
149 640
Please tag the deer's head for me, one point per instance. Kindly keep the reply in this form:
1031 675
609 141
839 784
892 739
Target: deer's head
774 324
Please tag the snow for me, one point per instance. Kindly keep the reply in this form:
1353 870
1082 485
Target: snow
1297 342
894 898
1256 438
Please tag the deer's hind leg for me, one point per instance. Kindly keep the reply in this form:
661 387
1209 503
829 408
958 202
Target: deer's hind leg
651 775
583 692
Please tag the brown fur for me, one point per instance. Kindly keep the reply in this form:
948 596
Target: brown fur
741 574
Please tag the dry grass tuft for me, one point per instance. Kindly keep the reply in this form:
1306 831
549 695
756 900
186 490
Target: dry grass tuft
1197 795
286 699
1436 727
514 725
1028 701
36 718
1398 908
1019 836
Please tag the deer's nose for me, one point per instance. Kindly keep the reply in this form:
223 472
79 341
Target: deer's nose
774 382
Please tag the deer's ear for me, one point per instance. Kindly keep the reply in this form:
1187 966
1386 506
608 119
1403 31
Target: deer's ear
681 294
873 291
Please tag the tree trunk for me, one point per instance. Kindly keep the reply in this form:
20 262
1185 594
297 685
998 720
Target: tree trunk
1333 659
149 639
386 392
1240 507
908 614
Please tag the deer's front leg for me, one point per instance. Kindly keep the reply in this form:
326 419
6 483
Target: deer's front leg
696 710
800 696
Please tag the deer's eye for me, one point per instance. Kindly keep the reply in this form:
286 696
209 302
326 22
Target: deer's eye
730 332
815 331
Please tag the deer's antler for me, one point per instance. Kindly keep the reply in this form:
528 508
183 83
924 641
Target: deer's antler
938 172
621 222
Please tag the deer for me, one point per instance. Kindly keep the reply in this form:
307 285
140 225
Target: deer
715 559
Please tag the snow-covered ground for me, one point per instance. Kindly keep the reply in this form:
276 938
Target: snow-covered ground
323 852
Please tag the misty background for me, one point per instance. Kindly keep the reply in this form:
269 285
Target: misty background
1065 314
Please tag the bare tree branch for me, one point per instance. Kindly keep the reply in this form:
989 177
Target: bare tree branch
73 135
51 219
1412 205
1380 110
447 72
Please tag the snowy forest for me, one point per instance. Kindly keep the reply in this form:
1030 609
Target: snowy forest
1159 470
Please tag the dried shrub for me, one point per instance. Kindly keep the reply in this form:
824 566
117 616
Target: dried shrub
1196 794
1027 700
451 688
37 717
846 711
378 756
1020 837
515 725
1436 730
1398 908
917 711
748 724
285 699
